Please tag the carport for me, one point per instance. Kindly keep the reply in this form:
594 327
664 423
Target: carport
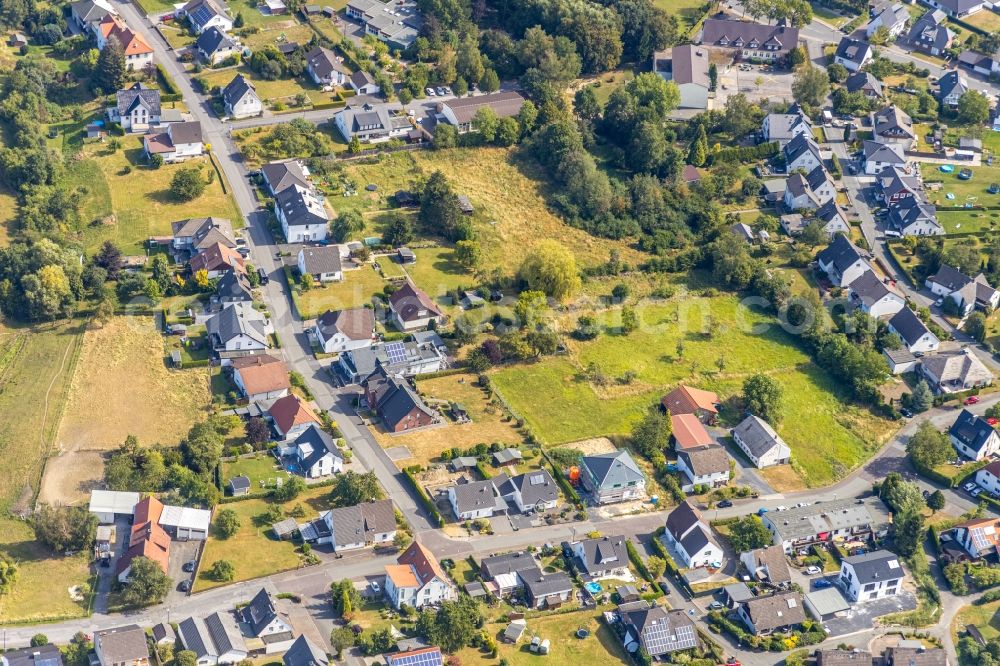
826 604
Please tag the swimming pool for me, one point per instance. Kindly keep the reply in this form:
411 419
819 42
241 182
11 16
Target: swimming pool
946 168
594 588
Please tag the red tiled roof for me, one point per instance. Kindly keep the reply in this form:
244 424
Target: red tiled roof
262 373
291 411
215 257
423 562
689 432
688 400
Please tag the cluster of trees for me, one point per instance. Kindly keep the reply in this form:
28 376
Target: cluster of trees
352 488
64 528
749 533
929 447
270 63
796 12
440 212
633 120
907 503
762 396
296 137
39 280
454 625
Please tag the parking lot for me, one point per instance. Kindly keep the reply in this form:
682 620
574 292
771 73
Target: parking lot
861 617
768 85
180 553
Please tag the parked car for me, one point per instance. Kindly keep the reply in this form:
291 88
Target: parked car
715 605
812 571
992 420
263 276
375 587
971 400
782 508
970 487
724 504
430 92
189 566
185 586
906 413
822 583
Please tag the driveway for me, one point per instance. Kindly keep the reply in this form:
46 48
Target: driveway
181 552
861 617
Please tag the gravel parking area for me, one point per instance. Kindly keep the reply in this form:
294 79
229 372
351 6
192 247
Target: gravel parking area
861 617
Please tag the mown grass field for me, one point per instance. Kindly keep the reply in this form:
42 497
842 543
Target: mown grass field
253 549
36 365
487 422
262 470
269 91
600 647
828 435
964 221
356 290
122 362
985 617
127 208
986 20
689 11
982 177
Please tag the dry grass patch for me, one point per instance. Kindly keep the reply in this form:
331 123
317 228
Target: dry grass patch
592 447
487 424
122 375
8 207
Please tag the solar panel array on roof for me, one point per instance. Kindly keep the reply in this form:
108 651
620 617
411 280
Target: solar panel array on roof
396 352
979 539
420 658
661 637
536 479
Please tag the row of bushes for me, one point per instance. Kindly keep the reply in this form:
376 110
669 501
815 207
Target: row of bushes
568 490
746 154
639 565
410 473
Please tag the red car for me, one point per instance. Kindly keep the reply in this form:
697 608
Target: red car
992 421
971 400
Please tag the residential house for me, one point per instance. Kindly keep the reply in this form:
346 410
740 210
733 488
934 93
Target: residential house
687 67
303 652
612 477
872 575
837 520
842 261
864 83
217 260
895 187
531 491
930 33
761 443
690 400
197 234
810 191
973 436
783 127
688 432
302 215
325 68
476 499
216 639
215 46
237 330
690 537
833 218
893 125
163 633
264 622
137 108
233 287
955 371
363 83
878 157
372 123
966 292
321 262
546 590
802 154
951 87
502 572
147 539
914 333
283 174
750 41
957 8
656 630
764 615
291 416
461 111
979 537
138 53
342 330
977 62
412 308
396 403
601 557
181 141
705 466
873 297
853 54
315 453
87 14
397 26
900 361
421 656
919 656
417 579
396 358
260 377
894 17
767 565
240 98
371 523
36 655
205 14
122 646
988 478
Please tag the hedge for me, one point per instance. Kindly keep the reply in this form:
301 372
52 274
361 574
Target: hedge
424 497
166 82
567 488
745 155
199 363
639 565
933 474
483 472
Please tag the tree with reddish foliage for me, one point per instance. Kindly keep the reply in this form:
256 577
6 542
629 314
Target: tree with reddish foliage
491 349
257 431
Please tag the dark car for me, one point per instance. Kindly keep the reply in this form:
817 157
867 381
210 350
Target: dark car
185 586
725 504
189 566
906 413
263 276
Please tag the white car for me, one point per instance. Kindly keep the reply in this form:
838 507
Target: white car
802 504
970 487
812 571
782 508
375 586
430 92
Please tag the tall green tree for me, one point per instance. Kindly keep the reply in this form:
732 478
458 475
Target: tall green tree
111 69
762 395
929 447
651 436
147 583
810 85
551 269
63 528
748 533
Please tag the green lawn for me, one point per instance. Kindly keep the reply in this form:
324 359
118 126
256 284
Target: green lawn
155 6
832 17
689 11
437 272
828 435
982 177
609 82
985 617
968 220
269 91
354 291
253 549
262 471
126 201
36 366
986 20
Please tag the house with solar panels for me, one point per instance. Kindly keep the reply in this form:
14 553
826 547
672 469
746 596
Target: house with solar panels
656 629
428 656
871 576
396 358
980 538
